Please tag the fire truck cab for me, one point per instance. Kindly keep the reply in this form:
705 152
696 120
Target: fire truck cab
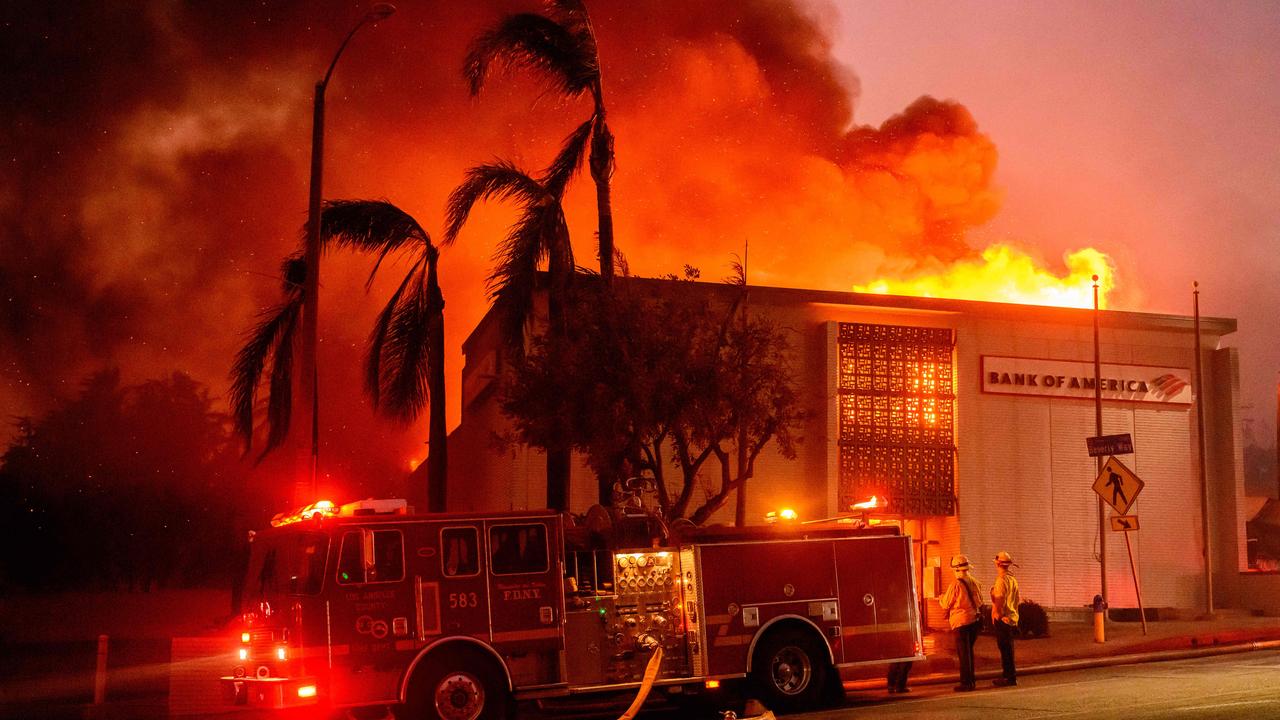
461 615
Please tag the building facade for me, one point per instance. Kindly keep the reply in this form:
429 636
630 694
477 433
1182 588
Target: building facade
967 422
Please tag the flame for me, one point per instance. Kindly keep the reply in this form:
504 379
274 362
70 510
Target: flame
1007 274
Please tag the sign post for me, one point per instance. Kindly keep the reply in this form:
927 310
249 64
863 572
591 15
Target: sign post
1118 486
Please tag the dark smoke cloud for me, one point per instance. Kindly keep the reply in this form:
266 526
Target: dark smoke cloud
155 168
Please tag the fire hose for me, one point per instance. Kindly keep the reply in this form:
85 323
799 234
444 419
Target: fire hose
650 674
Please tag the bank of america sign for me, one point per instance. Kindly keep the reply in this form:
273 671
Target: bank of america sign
1073 379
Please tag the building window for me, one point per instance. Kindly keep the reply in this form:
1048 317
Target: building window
896 404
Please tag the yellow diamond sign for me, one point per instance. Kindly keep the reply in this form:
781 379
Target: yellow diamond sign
1117 485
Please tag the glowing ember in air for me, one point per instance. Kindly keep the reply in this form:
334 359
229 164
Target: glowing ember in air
1006 274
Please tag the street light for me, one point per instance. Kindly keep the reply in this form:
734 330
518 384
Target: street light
308 370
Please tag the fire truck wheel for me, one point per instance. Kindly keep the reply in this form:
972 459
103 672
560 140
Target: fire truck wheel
457 684
790 670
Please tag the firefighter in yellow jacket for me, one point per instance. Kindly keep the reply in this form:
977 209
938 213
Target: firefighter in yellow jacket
961 605
1004 617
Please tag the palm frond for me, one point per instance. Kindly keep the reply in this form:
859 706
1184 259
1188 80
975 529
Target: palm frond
293 273
500 180
405 352
369 226
280 398
536 42
378 336
271 339
573 16
569 159
511 284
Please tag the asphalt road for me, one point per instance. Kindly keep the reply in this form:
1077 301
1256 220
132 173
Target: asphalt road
1245 685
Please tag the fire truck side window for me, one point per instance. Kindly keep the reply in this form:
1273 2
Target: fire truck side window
388 556
518 549
369 556
351 559
459 552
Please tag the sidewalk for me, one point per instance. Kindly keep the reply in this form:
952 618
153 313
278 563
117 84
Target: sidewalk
1073 643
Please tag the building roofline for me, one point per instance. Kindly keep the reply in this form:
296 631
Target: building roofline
980 308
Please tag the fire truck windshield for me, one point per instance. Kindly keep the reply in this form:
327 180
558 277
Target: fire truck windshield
285 564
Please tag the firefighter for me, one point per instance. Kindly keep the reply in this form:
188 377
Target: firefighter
1004 617
961 607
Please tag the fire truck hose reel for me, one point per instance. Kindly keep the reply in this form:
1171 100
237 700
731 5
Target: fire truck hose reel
650 674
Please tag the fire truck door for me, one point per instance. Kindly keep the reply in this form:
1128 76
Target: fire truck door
458 603
371 615
875 598
525 594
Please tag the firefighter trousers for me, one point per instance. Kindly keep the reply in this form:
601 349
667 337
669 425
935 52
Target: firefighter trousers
1004 640
966 636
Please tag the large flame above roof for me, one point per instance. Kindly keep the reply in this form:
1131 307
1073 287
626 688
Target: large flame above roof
1007 274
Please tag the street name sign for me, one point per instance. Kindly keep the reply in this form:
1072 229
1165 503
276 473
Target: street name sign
1124 523
1104 445
1117 485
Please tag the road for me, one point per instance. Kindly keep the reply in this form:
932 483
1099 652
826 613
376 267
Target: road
1245 685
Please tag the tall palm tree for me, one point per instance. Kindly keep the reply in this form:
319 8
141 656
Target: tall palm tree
561 46
271 341
539 233
404 367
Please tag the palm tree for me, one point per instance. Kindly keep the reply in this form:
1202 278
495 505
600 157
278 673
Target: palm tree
561 46
540 233
271 340
404 368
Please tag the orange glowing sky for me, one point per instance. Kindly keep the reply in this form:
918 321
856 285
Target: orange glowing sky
156 166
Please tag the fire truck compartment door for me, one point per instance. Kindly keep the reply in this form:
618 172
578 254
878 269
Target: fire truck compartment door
875 598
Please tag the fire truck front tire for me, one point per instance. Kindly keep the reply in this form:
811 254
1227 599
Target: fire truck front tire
457 683
790 670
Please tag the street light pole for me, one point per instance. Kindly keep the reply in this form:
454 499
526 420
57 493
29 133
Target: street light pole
309 397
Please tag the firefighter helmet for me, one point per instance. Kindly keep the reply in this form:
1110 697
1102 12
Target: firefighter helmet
1004 558
959 562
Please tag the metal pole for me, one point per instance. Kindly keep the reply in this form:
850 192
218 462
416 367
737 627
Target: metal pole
308 366
309 382
1097 416
1137 587
1204 483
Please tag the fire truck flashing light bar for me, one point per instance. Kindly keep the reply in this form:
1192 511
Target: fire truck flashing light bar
325 508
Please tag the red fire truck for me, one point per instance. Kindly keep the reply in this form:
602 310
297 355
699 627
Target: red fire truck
461 615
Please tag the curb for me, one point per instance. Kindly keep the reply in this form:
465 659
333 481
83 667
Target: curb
1087 663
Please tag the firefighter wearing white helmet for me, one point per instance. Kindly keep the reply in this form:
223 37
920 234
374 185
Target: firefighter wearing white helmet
1004 617
961 607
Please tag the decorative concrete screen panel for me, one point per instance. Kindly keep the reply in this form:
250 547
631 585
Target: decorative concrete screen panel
896 401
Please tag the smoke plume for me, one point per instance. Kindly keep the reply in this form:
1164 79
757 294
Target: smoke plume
155 171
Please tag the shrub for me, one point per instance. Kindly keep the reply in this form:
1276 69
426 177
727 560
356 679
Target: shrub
1033 621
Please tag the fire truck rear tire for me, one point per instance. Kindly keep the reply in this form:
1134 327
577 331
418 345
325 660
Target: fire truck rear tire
458 683
790 670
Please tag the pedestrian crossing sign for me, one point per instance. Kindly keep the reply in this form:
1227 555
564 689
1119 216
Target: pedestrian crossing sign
1117 485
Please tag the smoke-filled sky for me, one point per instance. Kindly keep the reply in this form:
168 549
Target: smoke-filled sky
155 164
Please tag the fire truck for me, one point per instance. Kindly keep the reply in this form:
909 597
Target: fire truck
460 616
